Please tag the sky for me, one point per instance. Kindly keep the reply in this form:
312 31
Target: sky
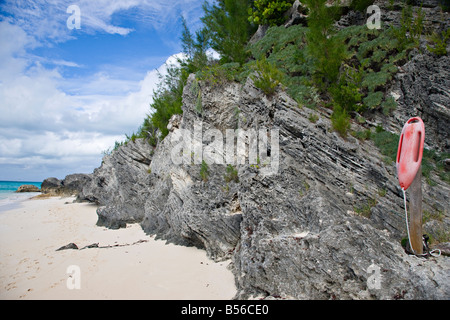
74 82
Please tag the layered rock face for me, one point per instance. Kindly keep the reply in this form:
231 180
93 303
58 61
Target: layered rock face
423 88
297 232
121 185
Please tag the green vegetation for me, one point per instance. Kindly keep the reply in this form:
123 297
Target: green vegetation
325 48
269 12
167 100
411 27
204 171
267 77
313 117
231 174
439 42
387 143
432 161
228 28
346 71
216 74
340 120
434 215
362 135
346 92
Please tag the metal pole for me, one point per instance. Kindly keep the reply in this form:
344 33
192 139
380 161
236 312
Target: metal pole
415 209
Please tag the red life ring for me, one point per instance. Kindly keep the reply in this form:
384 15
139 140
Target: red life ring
410 151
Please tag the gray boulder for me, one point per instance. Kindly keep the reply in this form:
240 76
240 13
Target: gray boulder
51 185
73 183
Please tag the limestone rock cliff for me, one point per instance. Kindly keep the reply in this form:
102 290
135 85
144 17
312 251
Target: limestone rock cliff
294 234
326 223
121 185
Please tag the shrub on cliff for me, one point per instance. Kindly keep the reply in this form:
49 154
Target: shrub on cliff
340 120
228 28
439 43
326 49
269 12
267 77
167 99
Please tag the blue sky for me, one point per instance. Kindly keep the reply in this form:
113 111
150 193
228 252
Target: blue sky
67 95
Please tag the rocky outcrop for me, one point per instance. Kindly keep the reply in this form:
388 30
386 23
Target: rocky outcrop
121 185
27 188
71 185
51 185
316 229
327 223
421 88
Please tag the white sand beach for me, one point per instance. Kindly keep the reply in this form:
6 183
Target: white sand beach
138 268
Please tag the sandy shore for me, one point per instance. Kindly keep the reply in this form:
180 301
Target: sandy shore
139 268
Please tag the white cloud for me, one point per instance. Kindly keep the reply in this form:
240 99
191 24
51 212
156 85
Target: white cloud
42 126
46 19
51 125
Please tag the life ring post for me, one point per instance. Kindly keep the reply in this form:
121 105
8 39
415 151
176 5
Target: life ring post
415 209
409 171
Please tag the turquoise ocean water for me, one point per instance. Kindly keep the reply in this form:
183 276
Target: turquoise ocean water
9 199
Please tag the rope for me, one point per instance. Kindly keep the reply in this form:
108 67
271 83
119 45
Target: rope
409 236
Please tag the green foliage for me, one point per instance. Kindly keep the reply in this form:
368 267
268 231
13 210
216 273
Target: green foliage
228 28
313 117
167 99
216 74
148 131
434 161
387 143
282 45
346 92
284 48
439 41
373 99
435 215
325 48
340 120
388 106
269 12
376 80
374 53
411 27
204 171
194 48
267 77
362 135
231 174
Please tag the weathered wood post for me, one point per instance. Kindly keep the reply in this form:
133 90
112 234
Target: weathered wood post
415 210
